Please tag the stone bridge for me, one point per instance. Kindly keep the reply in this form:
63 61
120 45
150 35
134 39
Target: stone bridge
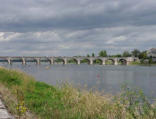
65 60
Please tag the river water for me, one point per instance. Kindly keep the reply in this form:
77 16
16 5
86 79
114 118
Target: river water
94 77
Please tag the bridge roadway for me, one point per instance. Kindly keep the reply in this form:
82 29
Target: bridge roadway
64 59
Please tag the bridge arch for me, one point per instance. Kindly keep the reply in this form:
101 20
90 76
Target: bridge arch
72 61
50 60
16 60
123 61
110 61
59 60
37 60
30 60
42 60
98 61
4 60
85 61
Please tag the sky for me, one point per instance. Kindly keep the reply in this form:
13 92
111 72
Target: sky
76 27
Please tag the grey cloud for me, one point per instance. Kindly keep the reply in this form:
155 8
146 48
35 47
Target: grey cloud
81 42
31 15
69 27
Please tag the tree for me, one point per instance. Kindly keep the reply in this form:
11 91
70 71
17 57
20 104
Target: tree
93 55
126 54
136 53
103 53
143 55
118 55
88 55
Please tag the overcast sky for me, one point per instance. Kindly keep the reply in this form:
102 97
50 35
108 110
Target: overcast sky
76 27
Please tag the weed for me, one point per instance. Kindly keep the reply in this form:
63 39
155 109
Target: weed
66 102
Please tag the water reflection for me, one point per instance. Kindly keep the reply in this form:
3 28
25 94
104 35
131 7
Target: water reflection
107 78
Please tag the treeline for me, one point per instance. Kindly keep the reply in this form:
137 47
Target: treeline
142 55
134 53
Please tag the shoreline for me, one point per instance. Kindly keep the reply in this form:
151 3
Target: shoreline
40 100
141 64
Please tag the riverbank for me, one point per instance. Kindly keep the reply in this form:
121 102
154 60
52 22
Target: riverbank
142 64
26 97
4 114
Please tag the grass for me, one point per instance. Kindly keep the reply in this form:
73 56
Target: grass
38 100
143 64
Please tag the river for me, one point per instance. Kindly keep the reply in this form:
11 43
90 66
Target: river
94 77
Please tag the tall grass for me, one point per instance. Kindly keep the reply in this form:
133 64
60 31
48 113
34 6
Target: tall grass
44 101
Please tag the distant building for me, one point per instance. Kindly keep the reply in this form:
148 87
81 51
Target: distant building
152 53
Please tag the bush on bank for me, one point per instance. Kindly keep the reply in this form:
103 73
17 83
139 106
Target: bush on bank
27 98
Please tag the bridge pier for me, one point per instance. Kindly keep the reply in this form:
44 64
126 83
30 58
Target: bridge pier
78 61
128 62
104 62
23 61
37 60
51 61
9 60
91 61
116 62
65 60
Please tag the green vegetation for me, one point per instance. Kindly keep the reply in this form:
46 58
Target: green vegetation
143 63
93 55
135 53
72 61
58 60
86 61
126 54
97 61
109 62
103 53
142 55
38 100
